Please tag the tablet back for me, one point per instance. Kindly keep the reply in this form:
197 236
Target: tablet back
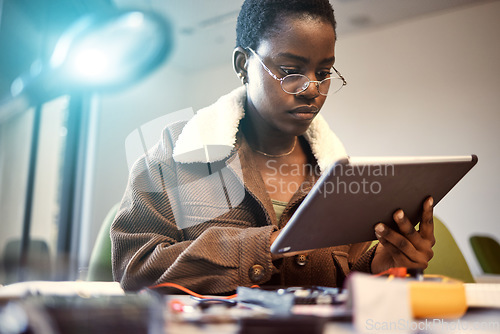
353 195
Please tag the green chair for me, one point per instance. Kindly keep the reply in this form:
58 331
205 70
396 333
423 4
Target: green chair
100 261
487 252
448 259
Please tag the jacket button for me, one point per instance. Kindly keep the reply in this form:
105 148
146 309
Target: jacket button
301 259
256 273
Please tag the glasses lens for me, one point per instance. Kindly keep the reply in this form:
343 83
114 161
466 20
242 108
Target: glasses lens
330 86
295 83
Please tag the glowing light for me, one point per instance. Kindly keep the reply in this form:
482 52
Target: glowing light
135 19
116 52
105 51
90 64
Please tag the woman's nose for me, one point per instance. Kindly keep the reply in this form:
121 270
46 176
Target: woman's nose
312 91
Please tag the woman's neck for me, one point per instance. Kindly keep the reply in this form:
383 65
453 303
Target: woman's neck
266 140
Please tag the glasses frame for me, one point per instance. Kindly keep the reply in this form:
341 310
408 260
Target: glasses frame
344 82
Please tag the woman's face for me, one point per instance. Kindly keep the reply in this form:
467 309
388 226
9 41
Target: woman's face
297 45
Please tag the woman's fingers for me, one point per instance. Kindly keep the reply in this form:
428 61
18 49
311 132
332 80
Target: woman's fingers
427 224
400 244
397 258
406 227
409 248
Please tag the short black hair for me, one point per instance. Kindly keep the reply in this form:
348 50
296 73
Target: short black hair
257 17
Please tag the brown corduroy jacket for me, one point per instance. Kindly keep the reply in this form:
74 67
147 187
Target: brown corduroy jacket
200 216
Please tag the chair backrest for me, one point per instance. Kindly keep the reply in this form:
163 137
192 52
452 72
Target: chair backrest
100 260
487 252
38 265
448 259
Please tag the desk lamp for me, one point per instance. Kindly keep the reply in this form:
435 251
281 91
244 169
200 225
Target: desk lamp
100 52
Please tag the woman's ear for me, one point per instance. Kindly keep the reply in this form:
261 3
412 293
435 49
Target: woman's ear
240 61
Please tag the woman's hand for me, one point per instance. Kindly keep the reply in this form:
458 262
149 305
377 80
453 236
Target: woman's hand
410 248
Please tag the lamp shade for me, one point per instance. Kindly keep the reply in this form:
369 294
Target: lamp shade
100 52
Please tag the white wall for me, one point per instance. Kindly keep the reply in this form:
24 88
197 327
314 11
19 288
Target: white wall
429 86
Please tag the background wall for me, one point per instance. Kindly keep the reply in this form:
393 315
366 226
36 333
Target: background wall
429 86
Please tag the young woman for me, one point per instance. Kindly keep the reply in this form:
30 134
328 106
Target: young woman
206 221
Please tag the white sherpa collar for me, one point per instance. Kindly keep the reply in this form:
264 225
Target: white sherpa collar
211 134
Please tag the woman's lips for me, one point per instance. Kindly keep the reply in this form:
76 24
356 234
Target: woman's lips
305 113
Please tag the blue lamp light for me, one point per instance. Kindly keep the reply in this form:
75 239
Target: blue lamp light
100 52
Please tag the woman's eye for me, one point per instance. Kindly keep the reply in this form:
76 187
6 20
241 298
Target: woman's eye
289 70
324 74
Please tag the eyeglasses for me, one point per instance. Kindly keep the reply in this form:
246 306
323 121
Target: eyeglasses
297 83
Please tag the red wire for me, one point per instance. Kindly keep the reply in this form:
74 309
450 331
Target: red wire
192 293
396 272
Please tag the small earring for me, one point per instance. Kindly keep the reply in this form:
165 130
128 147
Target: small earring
242 78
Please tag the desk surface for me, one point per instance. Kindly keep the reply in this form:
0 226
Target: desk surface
476 320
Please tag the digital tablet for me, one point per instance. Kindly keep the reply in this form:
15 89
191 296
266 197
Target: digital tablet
355 194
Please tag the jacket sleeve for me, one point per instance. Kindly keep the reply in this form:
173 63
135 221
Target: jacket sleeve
149 248
361 256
